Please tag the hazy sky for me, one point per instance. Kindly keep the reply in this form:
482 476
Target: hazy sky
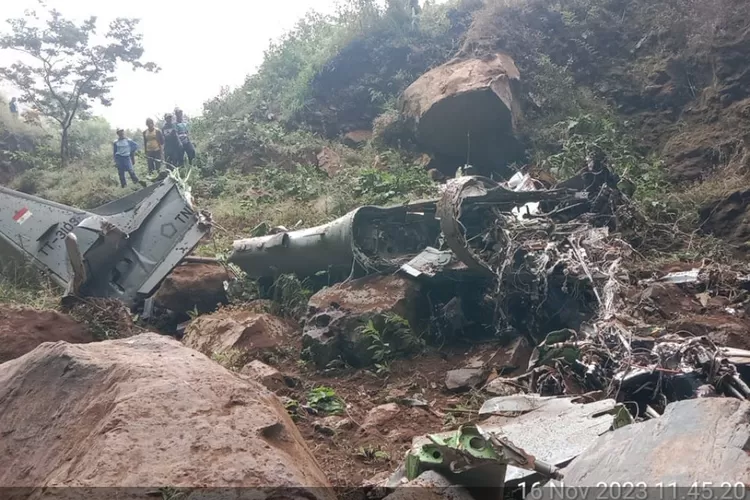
200 46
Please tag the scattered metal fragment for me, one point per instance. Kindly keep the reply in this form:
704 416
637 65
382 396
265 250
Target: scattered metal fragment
516 404
472 456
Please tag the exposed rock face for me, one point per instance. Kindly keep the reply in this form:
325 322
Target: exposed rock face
372 294
144 411
192 286
467 108
22 329
357 138
464 379
729 219
252 332
338 312
268 376
329 161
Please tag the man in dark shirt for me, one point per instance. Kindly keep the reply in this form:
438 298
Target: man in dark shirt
13 105
172 148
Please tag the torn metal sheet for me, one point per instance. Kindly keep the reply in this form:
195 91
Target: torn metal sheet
517 403
432 263
553 434
472 456
121 250
677 278
735 356
465 194
556 433
697 441
384 239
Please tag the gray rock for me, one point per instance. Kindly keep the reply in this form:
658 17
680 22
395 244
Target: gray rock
337 313
465 378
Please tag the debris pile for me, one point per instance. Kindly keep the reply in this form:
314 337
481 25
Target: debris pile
589 345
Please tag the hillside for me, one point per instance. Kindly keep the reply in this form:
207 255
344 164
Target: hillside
574 264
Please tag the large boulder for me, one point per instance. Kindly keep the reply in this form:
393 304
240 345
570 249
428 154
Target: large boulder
193 286
337 313
255 333
22 329
467 108
144 411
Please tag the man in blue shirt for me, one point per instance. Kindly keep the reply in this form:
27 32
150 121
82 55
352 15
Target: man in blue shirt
124 152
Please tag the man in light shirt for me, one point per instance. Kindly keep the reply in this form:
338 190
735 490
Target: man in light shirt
124 152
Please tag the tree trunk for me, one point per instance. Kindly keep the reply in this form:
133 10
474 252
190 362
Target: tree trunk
64 147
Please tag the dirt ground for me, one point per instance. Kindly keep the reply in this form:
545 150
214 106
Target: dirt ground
23 328
352 454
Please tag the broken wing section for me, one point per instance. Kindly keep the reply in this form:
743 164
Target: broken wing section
34 230
122 250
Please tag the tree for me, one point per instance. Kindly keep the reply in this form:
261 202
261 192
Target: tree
65 71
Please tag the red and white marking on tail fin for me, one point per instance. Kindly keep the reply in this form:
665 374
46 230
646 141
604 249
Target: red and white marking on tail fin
22 215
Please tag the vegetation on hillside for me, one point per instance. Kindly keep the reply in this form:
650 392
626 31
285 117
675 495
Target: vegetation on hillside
605 76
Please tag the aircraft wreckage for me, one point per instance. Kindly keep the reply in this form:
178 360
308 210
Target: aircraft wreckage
375 239
124 249
121 250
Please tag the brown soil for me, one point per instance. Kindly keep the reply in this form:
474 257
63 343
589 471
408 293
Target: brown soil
22 329
343 456
191 285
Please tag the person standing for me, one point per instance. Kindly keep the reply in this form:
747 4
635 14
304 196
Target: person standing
153 141
13 106
183 135
172 147
124 152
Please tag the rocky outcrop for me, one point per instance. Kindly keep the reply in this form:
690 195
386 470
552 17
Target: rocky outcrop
252 332
357 138
467 108
193 286
144 411
338 313
728 218
22 329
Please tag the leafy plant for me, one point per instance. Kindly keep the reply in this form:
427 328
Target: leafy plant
240 288
589 134
371 453
193 313
390 336
400 180
324 399
231 359
290 296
